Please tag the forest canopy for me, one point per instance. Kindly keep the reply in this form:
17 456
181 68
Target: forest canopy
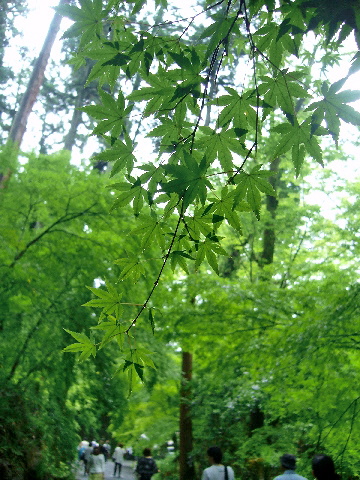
226 94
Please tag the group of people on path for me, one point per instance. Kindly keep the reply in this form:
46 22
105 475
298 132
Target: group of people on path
323 467
94 457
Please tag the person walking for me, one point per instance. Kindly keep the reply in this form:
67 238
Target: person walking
323 468
288 465
146 466
97 465
118 457
107 448
86 457
217 471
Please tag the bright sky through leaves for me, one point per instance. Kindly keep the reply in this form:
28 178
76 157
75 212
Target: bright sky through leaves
34 29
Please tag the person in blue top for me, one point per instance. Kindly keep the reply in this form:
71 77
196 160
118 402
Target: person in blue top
288 465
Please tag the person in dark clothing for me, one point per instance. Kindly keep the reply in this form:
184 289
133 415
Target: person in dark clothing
104 450
146 466
323 468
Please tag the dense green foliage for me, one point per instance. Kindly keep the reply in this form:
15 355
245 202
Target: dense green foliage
206 172
53 217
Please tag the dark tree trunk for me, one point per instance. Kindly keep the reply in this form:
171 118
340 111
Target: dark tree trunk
76 119
269 237
18 127
187 470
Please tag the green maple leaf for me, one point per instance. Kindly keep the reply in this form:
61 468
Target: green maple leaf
334 108
298 138
189 180
210 248
121 153
281 89
132 193
87 18
136 361
199 224
237 109
223 208
220 145
157 95
111 114
178 258
109 301
171 133
85 345
150 230
131 267
249 186
112 331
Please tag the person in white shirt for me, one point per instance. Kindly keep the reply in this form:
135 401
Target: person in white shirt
97 465
118 457
217 471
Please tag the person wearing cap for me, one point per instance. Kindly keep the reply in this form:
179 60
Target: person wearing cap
288 465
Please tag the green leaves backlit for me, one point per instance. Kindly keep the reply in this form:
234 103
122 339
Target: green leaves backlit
209 135
333 108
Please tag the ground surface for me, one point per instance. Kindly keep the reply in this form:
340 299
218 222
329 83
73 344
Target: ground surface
127 471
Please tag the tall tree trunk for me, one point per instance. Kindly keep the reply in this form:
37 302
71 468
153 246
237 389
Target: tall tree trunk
18 127
187 469
82 93
70 138
267 254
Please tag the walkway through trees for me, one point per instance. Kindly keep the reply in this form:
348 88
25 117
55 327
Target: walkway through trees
127 471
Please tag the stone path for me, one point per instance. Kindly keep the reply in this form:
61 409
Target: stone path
127 471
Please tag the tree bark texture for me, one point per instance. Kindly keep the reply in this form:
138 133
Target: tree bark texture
76 119
82 93
18 127
269 237
187 470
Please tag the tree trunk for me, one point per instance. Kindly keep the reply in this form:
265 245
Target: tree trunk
82 93
267 255
70 138
18 127
187 470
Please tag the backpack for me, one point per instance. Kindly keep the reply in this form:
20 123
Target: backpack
146 467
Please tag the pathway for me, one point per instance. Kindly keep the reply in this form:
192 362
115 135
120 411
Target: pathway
127 471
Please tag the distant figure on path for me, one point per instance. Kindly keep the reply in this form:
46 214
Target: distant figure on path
118 457
97 465
146 466
107 447
103 449
217 471
86 457
288 464
323 468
